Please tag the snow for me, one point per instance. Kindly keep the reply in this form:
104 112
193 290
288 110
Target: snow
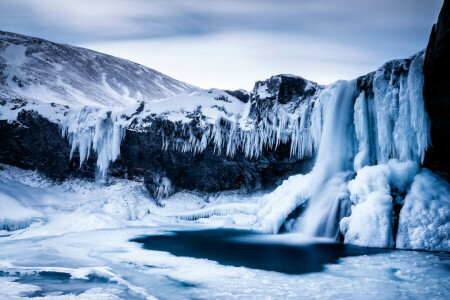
67 243
347 129
371 220
425 217
87 226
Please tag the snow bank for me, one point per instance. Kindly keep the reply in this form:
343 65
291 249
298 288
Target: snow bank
425 217
78 205
371 220
15 207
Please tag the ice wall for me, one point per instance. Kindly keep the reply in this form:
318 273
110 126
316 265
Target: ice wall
393 123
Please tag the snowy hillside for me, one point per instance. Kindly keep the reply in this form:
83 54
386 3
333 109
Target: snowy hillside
32 68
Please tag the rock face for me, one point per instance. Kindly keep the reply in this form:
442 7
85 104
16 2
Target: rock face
143 155
34 142
437 93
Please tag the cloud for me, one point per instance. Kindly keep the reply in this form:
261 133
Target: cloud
114 19
237 60
232 43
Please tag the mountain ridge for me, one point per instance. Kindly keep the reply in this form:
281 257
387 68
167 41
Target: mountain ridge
37 69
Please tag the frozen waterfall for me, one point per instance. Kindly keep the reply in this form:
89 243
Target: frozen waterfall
368 126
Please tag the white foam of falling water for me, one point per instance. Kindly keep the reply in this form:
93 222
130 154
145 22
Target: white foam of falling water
333 159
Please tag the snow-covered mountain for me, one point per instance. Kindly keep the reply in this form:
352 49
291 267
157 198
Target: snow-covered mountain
36 69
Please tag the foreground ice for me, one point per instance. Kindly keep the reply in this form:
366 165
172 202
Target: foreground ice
83 232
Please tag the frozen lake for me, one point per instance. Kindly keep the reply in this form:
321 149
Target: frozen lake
197 262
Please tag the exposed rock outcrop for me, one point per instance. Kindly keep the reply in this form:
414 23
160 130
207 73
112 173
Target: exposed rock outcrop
436 92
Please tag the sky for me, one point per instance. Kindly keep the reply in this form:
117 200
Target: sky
230 44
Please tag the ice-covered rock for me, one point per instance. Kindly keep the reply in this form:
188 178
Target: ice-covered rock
387 120
425 216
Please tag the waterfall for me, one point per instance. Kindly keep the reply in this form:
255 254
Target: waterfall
334 159
363 126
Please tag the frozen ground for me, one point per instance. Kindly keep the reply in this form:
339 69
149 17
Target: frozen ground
72 242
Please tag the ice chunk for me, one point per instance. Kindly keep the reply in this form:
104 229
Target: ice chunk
371 220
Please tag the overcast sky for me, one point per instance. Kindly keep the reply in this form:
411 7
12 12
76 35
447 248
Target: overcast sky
232 43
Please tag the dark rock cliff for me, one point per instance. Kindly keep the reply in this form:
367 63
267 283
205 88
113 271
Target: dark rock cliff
33 142
437 93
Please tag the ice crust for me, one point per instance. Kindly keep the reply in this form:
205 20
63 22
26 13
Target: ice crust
372 213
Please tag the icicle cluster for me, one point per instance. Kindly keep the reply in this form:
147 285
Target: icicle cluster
301 128
94 129
218 210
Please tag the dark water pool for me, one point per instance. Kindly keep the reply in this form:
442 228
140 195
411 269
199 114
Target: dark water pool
228 247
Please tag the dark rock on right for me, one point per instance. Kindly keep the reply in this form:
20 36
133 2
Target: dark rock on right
436 92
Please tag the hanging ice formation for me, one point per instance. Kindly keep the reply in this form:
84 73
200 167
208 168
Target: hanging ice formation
96 129
384 120
103 131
